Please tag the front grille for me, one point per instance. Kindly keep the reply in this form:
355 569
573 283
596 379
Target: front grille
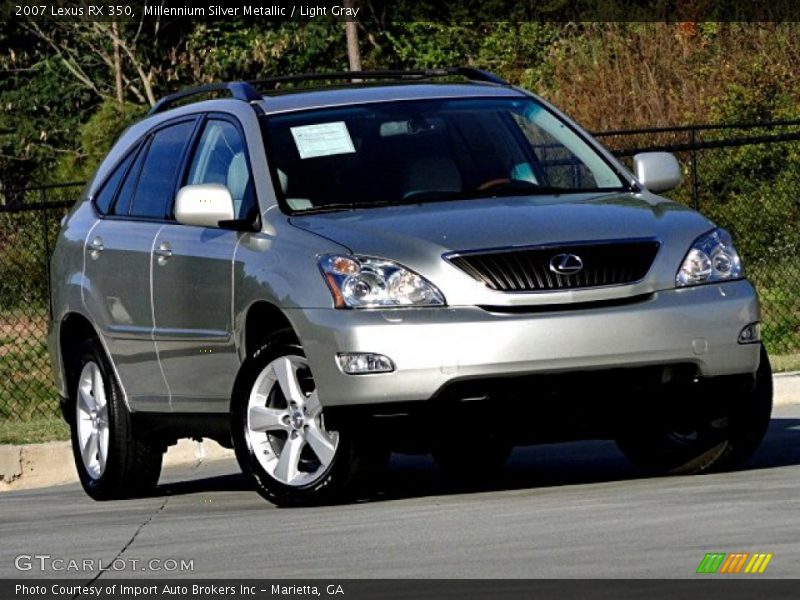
529 269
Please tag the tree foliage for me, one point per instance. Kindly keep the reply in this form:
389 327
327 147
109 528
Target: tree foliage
60 78
68 89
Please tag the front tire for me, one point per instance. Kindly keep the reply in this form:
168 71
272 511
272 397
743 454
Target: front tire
720 440
281 438
111 463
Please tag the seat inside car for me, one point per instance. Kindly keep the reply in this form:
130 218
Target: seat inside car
431 174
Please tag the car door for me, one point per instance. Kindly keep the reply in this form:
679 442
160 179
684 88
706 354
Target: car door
192 280
117 297
118 261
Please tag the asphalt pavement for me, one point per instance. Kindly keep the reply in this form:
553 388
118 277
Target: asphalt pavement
566 511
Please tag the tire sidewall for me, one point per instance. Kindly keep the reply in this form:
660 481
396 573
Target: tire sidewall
750 409
751 415
103 485
325 488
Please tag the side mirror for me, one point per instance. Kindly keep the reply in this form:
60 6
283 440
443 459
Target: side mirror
657 171
204 204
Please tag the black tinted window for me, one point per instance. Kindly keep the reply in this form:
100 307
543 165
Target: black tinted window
157 180
123 204
106 195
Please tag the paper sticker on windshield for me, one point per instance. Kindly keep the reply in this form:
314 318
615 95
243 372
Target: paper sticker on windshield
323 139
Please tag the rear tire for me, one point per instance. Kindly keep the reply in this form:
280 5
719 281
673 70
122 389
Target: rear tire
280 437
723 440
111 463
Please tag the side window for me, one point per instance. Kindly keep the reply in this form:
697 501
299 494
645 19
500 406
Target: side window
156 184
220 158
123 204
105 197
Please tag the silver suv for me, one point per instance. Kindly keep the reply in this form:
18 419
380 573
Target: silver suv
428 261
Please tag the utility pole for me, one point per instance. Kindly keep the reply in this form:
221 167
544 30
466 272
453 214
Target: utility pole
351 32
117 63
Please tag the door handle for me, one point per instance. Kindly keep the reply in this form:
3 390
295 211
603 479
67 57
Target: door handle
163 252
96 247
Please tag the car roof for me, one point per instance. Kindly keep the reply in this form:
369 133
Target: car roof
305 99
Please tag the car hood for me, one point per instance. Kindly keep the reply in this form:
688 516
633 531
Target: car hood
418 235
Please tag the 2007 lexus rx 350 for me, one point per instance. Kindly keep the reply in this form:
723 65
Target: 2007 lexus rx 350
434 261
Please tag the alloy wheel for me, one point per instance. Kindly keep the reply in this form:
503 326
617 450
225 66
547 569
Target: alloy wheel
285 425
92 420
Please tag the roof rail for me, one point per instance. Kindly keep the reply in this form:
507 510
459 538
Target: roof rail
240 90
467 72
247 92
474 74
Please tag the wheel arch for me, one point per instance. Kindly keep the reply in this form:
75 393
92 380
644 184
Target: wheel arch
261 320
74 329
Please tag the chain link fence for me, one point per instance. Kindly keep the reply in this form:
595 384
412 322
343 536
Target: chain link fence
29 222
745 177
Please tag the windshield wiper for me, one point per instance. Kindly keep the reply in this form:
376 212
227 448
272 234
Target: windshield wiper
432 196
514 187
338 206
415 199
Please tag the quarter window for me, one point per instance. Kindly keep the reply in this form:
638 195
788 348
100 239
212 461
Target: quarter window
122 206
105 197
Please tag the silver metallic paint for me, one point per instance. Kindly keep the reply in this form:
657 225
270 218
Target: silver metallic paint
203 205
657 171
186 354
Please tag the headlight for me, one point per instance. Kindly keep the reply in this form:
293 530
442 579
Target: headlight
365 282
711 258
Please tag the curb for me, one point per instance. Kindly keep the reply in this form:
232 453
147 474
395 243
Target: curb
43 465
786 388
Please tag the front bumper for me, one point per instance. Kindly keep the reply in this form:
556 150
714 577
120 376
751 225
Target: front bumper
433 347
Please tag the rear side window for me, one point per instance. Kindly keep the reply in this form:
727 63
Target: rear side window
156 184
105 197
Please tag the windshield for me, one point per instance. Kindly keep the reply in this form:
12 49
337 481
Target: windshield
428 151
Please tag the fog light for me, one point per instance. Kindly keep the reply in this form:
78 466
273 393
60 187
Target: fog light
750 334
360 363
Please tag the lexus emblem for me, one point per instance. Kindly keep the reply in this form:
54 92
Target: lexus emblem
566 264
